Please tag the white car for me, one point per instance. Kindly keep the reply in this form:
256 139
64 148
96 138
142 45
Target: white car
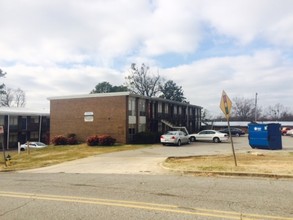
35 145
209 135
175 137
290 133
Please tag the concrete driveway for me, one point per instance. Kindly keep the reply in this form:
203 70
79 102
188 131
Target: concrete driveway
147 160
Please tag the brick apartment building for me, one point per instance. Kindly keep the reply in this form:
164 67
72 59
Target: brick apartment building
120 115
22 125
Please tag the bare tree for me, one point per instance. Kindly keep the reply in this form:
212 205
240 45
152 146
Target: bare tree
278 112
19 98
7 97
13 98
206 115
243 109
2 86
141 82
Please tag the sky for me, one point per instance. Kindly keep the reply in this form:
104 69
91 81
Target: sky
54 48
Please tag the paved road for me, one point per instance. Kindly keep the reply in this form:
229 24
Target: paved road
59 196
109 187
147 160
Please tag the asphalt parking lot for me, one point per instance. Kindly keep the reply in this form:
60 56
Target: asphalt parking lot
147 160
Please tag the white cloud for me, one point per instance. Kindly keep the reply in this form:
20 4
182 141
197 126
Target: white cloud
249 20
62 47
240 76
40 83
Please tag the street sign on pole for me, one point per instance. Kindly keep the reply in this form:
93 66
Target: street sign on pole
226 106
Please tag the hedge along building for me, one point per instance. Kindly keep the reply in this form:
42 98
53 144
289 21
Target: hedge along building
120 115
22 125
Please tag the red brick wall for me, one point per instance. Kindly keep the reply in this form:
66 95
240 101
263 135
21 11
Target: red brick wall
110 117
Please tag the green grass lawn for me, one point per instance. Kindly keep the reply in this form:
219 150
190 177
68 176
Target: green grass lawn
51 155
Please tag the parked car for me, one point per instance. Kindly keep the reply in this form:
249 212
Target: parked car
175 138
35 145
285 130
234 131
290 133
209 135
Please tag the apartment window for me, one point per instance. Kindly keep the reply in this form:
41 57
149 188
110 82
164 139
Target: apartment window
160 127
142 124
131 107
13 137
131 129
179 110
191 111
13 120
141 127
166 108
175 110
142 107
2 120
35 119
159 107
34 135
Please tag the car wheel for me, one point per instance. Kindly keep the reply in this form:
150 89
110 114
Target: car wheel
237 135
192 139
216 140
179 143
22 149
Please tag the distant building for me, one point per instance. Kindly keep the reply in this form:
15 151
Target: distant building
217 125
121 115
21 125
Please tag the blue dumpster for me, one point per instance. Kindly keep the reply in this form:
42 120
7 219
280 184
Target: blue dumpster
265 136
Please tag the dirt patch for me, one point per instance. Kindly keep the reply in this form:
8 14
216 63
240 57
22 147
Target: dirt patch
278 163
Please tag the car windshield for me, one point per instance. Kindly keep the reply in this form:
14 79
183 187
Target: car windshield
171 133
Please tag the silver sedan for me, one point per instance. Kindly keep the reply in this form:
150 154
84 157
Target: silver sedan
175 138
35 145
209 135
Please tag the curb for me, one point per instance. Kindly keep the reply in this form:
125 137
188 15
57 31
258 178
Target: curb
218 173
214 173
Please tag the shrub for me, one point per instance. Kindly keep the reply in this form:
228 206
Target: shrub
59 140
106 140
93 140
103 140
71 139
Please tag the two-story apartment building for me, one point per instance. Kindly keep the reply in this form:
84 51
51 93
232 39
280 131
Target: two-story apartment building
21 125
120 115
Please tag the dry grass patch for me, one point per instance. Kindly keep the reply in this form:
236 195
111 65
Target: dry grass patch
277 163
55 154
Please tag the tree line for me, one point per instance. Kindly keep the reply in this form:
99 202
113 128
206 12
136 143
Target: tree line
244 109
10 97
141 81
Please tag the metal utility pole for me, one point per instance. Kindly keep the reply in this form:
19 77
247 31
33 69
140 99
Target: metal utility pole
255 108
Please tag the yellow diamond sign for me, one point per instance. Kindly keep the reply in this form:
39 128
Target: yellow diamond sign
225 104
